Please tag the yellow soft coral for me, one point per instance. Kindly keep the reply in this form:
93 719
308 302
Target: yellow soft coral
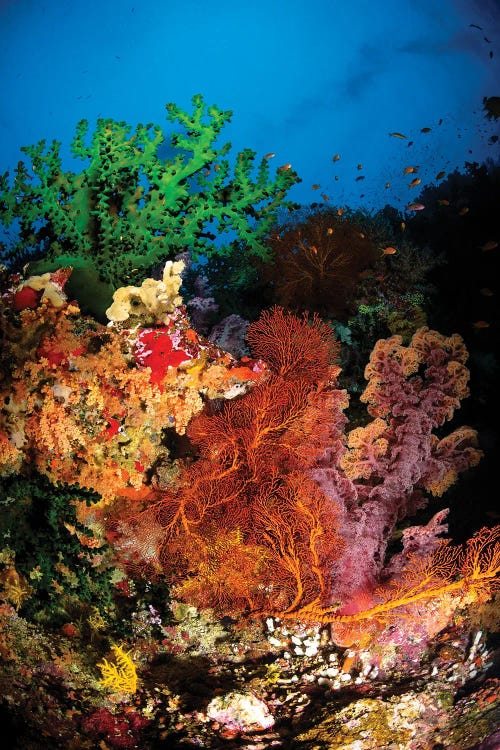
120 677
365 444
10 456
15 587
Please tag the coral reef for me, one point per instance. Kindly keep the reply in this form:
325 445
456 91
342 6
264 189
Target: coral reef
282 514
206 537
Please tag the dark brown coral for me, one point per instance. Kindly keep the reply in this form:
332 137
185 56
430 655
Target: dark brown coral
317 262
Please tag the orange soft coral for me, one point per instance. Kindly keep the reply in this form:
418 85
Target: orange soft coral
82 406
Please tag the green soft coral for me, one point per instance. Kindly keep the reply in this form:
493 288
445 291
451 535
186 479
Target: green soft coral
129 208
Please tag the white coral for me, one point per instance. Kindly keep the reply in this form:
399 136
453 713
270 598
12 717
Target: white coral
152 301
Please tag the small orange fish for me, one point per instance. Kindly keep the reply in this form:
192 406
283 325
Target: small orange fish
425 130
481 324
340 211
443 202
440 175
325 197
388 184
490 245
362 235
316 186
415 207
270 155
486 292
398 135
464 210
313 249
415 182
409 170
360 166
284 168
389 250
367 274
336 157
329 230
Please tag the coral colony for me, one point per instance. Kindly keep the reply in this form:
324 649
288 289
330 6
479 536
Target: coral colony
213 527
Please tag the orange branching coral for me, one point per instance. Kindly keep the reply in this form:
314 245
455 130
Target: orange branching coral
251 432
226 573
299 529
465 573
449 578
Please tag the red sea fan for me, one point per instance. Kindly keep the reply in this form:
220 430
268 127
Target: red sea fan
294 347
246 528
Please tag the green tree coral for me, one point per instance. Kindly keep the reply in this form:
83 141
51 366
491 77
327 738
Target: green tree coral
38 525
130 208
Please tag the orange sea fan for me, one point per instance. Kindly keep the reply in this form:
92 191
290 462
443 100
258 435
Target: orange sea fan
454 575
294 347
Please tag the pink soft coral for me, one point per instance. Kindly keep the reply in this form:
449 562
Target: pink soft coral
411 391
